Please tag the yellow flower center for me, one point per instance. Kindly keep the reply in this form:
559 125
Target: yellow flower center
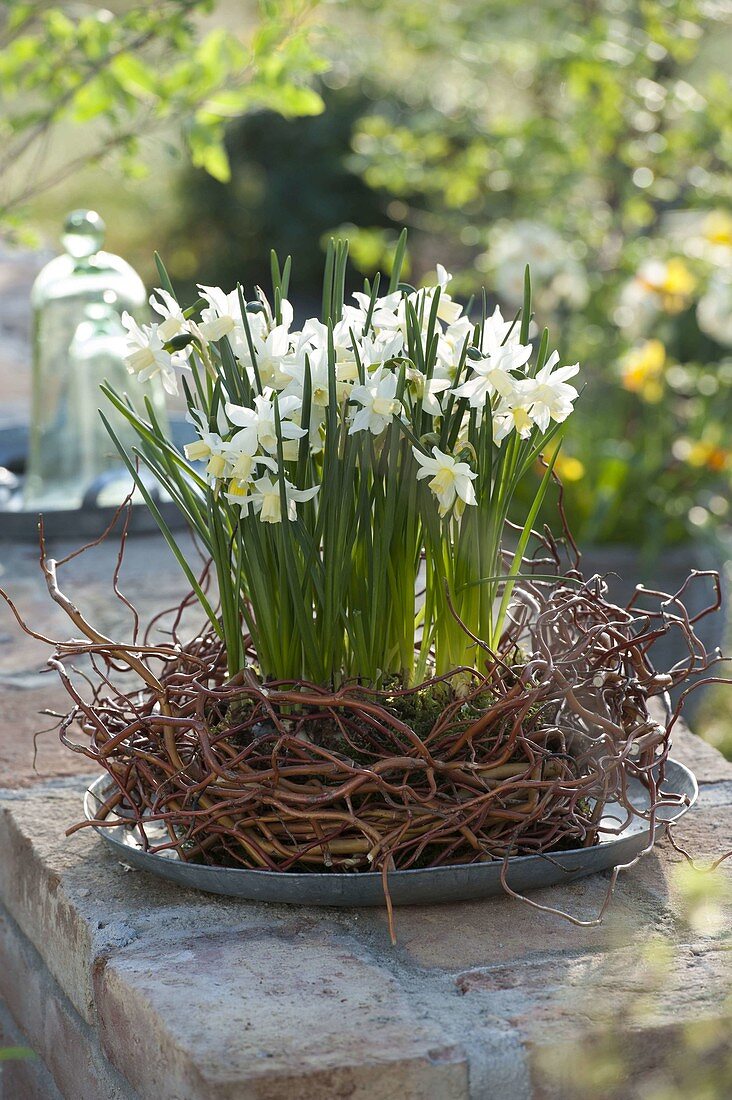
384 406
521 419
197 451
216 466
271 511
443 481
243 467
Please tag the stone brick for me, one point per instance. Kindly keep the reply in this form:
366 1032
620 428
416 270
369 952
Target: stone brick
595 1025
33 891
496 930
707 763
22 1078
63 1042
260 1015
74 901
627 1027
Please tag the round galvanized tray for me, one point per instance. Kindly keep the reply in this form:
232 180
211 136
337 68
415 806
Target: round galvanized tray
458 882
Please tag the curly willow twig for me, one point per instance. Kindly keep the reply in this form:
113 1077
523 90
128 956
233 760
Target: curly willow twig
519 756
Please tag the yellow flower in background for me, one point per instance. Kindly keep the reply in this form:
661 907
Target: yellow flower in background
569 468
710 455
717 228
642 370
566 467
672 281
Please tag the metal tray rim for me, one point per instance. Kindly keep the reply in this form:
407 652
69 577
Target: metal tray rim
332 881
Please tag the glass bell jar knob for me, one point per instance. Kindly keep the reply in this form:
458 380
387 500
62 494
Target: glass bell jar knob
79 342
83 233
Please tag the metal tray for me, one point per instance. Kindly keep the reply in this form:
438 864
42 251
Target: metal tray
458 882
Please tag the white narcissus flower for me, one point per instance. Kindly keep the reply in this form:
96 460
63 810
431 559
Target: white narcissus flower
241 460
173 321
388 313
502 354
222 316
266 317
498 333
451 480
493 375
264 498
147 355
258 424
378 402
547 395
208 449
512 414
450 346
428 390
447 310
316 359
271 356
378 350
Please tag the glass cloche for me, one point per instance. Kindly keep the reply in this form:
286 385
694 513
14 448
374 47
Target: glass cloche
78 342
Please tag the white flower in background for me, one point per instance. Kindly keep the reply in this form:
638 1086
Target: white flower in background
173 321
658 286
378 402
147 355
558 276
700 235
526 242
450 480
548 395
258 423
263 497
714 310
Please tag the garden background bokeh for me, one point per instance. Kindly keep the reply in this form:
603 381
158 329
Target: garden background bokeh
589 138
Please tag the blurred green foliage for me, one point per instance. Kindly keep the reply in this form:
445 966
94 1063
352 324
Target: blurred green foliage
566 135
291 183
79 83
593 116
569 134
